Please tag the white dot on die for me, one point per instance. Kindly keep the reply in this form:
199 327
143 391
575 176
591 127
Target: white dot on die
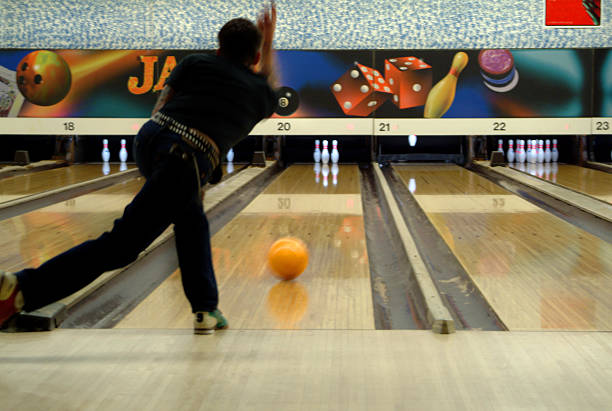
391 81
403 68
387 89
347 105
365 70
410 58
369 77
376 86
381 80
408 63
387 67
372 103
354 73
376 73
417 87
392 60
364 89
337 88
396 98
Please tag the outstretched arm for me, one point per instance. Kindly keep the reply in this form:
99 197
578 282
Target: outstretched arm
267 25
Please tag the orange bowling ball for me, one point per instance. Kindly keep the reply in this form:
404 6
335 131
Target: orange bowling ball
288 258
43 77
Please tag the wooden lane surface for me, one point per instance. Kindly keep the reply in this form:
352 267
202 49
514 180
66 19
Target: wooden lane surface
589 181
333 293
536 270
305 370
24 185
31 239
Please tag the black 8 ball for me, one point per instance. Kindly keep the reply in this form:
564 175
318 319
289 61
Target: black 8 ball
287 101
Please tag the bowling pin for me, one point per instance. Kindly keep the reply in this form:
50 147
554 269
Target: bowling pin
230 155
325 153
510 154
528 153
317 152
540 154
105 151
500 145
547 152
123 154
334 172
441 96
317 170
335 155
521 152
325 172
555 153
412 139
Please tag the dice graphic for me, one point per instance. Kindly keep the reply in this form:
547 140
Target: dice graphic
361 90
409 79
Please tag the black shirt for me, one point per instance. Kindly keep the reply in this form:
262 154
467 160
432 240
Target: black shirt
219 98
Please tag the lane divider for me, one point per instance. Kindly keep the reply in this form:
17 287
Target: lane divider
437 314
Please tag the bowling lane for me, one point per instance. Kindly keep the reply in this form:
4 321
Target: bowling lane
28 184
32 238
537 271
592 182
333 293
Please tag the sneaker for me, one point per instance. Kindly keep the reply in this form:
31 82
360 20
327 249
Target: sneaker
207 322
11 299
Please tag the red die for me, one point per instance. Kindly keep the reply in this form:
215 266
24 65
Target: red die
361 90
410 80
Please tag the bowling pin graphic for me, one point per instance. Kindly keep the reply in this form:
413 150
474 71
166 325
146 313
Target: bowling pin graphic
441 96
547 152
325 172
554 155
230 155
123 154
325 153
317 152
335 155
334 172
510 154
105 151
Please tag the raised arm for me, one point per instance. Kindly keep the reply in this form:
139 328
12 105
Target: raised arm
267 25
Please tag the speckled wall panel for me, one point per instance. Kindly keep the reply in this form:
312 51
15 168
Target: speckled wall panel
302 24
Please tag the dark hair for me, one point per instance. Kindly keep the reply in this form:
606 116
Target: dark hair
239 41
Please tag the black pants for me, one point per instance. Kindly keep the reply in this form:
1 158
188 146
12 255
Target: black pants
169 195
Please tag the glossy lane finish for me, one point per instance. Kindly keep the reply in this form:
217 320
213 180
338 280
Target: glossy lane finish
333 293
31 239
536 270
589 181
28 184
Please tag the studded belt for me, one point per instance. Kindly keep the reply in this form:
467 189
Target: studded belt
193 137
